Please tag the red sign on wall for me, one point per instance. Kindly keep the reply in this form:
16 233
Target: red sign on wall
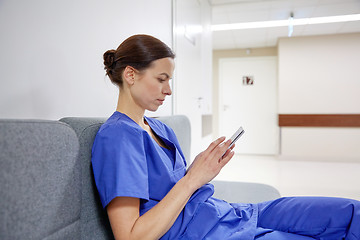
248 80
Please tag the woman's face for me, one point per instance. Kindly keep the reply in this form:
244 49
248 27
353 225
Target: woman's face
152 85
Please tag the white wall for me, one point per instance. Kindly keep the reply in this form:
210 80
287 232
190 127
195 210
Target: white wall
51 62
51 56
193 82
320 74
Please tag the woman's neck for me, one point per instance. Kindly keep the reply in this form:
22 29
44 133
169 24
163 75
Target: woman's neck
128 107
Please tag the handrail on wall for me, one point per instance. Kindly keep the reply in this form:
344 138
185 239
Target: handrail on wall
319 120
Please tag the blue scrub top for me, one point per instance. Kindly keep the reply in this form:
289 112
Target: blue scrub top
127 161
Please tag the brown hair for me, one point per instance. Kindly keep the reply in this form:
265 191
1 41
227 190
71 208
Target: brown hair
138 51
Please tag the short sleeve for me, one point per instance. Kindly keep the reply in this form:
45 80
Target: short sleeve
119 163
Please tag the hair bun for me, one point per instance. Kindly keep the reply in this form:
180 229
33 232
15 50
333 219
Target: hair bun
109 58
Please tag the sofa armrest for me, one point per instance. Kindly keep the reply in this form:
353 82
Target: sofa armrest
244 192
40 184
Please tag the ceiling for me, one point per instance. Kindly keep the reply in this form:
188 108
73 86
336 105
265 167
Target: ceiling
235 11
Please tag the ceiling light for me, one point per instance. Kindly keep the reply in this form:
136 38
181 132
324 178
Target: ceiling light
291 25
283 23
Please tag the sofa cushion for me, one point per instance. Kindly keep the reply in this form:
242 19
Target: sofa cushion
40 180
94 221
244 192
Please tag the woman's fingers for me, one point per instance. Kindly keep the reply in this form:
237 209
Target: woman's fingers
225 154
220 150
223 161
228 150
209 163
214 144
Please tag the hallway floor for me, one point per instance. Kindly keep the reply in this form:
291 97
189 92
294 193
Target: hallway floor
296 178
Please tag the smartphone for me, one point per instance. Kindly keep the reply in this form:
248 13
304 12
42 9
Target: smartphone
236 136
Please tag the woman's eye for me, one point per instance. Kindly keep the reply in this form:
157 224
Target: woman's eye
161 80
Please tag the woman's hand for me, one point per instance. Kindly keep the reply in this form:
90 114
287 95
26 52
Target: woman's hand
208 163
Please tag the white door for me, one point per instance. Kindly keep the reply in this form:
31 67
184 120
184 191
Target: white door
253 106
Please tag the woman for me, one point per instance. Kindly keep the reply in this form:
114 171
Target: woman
141 175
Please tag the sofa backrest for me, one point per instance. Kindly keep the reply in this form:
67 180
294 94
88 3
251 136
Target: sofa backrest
40 180
94 221
182 128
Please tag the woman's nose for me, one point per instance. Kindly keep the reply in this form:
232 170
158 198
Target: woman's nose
167 89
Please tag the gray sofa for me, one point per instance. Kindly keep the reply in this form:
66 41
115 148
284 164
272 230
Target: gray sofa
47 188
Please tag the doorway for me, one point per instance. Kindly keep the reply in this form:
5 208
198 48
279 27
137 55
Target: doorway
248 98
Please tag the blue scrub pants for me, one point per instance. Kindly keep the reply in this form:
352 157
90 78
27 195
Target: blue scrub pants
297 218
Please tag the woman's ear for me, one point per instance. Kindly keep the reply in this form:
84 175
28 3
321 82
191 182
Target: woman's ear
129 75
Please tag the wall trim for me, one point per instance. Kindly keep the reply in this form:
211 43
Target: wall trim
319 120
